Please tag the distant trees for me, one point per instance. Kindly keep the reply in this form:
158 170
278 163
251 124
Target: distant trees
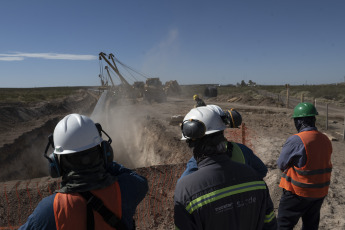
244 84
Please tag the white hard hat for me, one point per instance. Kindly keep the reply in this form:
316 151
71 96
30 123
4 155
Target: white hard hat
75 133
216 109
209 116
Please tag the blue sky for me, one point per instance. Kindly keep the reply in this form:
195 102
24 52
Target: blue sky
56 43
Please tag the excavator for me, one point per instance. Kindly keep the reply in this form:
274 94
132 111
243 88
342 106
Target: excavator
151 91
125 89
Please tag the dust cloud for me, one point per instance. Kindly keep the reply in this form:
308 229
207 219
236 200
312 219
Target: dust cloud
128 126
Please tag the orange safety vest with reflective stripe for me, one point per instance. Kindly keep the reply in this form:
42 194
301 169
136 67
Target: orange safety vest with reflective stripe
70 209
313 179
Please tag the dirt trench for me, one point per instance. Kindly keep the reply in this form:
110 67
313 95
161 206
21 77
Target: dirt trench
144 139
25 129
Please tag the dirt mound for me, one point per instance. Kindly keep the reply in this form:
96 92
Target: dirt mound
248 100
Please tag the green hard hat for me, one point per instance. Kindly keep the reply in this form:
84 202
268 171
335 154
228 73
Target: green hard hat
304 109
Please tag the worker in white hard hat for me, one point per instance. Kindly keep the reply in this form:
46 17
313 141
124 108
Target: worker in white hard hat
236 151
221 193
96 192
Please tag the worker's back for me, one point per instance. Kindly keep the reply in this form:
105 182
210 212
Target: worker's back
222 195
199 102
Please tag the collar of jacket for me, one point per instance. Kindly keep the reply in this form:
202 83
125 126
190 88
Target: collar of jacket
214 159
308 129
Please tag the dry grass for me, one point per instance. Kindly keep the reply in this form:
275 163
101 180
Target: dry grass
334 93
36 94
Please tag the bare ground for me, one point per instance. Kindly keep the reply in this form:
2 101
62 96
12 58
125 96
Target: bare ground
145 138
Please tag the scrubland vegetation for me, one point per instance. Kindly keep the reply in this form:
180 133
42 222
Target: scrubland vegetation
36 94
331 93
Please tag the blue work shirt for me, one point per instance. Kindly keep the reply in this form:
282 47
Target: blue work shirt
293 152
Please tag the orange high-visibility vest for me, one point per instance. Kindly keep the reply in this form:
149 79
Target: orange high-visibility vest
313 179
70 209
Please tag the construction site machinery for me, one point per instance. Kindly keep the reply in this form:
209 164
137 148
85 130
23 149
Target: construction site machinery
153 90
139 87
125 90
172 88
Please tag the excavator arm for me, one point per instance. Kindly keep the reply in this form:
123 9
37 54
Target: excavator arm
111 79
114 67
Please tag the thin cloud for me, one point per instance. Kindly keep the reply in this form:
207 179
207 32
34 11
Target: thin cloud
51 56
160 55
9 58
165 46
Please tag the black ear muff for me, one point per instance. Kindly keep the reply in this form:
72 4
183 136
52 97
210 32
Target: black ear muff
107 153
107 150
54 166
232 118
236 119
193 129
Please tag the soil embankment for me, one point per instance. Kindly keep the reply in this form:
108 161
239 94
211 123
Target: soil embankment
25 129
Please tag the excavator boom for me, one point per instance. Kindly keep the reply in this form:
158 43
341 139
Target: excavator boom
114 67
152 90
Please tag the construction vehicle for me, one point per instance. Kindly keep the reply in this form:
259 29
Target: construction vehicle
172 88
151 90
125 90
139 87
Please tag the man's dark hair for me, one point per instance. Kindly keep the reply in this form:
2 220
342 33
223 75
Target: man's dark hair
304 122
208 145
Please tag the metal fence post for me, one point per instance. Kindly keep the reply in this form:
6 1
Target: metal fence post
327 116
287 95
344 130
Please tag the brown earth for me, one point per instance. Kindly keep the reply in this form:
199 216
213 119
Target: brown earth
146 139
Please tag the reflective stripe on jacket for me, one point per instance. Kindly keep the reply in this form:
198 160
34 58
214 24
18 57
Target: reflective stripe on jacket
70 209
313 179
223 194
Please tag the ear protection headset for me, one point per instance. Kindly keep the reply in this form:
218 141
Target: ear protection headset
193 129
232 118
54 166
107 150
107 154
